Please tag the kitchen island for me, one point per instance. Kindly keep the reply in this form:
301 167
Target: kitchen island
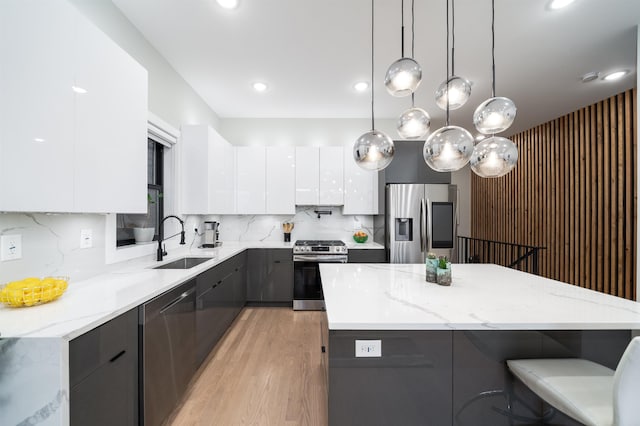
442 349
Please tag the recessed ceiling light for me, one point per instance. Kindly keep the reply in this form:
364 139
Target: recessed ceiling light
228 4
361 86
616 75
559 4
38 140
79 89
590 76
259 87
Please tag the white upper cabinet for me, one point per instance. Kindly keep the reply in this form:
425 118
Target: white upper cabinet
194 155
361 188
307 175
222 175
250 172
111 129
63 151
208 172
280 180
319 176
331 176
36 106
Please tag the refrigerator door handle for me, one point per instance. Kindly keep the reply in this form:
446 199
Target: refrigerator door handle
427 219
422 226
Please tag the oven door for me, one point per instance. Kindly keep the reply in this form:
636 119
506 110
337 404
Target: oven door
307 285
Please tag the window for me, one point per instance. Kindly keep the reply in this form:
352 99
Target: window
126 223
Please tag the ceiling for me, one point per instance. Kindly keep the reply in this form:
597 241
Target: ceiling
311 52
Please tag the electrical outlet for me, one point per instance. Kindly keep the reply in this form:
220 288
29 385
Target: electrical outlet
368 348
11 247
86 238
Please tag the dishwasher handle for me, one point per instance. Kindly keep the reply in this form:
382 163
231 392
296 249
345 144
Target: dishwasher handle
177 300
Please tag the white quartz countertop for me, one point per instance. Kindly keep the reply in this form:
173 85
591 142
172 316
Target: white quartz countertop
369 245
481 297
89 303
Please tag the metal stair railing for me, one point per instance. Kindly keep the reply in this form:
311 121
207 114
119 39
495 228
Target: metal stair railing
512 255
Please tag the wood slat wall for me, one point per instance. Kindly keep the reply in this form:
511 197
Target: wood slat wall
574 192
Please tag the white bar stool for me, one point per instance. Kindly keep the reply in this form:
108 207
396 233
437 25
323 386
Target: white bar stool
586 391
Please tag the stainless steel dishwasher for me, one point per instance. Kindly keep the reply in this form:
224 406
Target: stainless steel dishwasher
168 348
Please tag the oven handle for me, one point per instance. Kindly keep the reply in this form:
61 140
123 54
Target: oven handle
319 258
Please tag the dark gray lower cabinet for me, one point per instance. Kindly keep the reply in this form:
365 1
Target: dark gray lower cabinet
270 276
367 256
220 296
103 374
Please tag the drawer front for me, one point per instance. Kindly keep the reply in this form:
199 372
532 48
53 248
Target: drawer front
101 345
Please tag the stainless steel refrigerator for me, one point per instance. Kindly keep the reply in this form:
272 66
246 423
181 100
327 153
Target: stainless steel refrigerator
421 219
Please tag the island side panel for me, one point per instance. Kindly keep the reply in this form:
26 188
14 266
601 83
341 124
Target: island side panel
34 385
410 384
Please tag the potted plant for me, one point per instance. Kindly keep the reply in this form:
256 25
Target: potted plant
444 271
144 227
431 266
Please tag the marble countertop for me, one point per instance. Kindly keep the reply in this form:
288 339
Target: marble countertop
481 297
369 245
89 303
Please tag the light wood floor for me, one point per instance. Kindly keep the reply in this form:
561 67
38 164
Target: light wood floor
265 371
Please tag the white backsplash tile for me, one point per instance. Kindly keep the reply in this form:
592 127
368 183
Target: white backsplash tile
51 242
51 245
307 225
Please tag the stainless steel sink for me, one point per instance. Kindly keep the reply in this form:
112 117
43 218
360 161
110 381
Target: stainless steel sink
184 263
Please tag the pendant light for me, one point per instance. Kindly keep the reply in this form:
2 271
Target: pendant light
374 149
495 156
454 91
496 114
404 75
449 148
413 123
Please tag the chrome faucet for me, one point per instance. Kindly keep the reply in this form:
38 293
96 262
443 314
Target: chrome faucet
161 238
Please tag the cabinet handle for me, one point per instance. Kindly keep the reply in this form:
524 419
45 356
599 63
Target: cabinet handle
277 261
324 349
117 356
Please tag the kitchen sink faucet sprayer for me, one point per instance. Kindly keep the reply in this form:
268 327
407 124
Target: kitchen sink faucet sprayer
161 238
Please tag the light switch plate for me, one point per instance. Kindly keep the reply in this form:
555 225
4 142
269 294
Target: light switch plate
10 247
86 238
368 348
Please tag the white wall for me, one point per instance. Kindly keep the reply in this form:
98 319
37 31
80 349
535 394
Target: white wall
170 97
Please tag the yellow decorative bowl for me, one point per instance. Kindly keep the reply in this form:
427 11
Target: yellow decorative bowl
33 291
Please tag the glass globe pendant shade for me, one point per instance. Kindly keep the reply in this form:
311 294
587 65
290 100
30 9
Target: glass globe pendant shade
456 89
403 77
494 115
494 157
373 150
414 123
448 149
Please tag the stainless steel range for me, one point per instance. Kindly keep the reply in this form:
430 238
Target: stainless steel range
307 256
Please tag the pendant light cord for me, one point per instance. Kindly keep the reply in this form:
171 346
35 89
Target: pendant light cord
453 38
493 49
402 29
447 77
373 126
413 47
